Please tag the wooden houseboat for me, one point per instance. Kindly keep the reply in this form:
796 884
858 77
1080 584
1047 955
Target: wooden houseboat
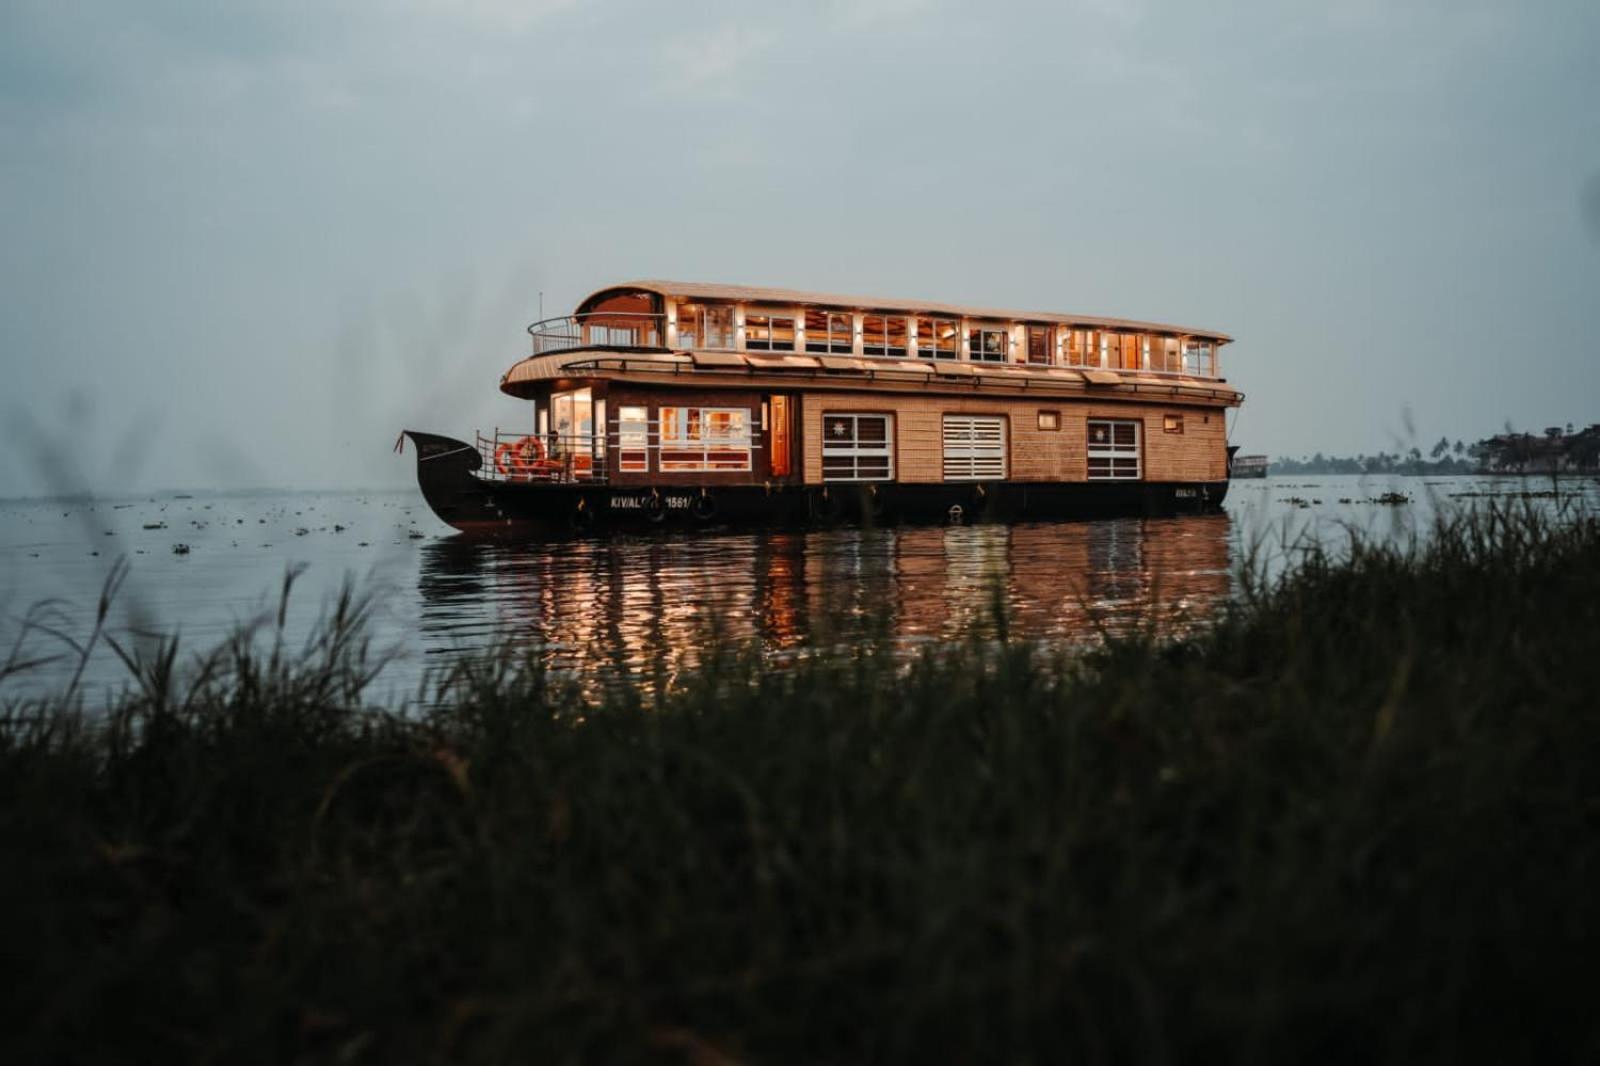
1248 466
664 403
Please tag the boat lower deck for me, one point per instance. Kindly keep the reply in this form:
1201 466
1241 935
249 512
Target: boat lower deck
496 508
449 473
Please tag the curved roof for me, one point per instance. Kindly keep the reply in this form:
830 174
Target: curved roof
757 294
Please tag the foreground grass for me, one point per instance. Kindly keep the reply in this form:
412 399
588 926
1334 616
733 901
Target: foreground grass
1358 819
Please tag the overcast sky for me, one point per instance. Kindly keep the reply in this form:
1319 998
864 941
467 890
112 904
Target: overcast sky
245 243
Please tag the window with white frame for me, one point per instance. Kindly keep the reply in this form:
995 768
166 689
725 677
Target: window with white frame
884 334
830 331
572 423
705 326
988 344
767 332
704 438
633 440
857 447
1199 358
1113 448
974 448
936 338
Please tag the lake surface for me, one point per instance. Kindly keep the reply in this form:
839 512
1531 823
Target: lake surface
202 565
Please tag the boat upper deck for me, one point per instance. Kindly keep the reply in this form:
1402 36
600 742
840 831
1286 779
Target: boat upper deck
647 329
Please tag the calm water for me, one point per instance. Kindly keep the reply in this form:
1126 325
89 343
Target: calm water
592 605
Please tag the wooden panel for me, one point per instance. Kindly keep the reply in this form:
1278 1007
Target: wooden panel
1199 453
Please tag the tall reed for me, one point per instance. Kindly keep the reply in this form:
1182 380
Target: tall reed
1354 819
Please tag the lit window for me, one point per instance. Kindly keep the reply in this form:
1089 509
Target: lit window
1039 344
857 447
987 345
705 326
704 438
936 338
633 440
829 331
769 333
1113 449
573 422
1124 351
884 334
1080 348
1049 420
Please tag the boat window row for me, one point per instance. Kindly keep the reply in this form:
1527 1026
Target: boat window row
860 447
700 438
855 446
683 438
704 438
713 326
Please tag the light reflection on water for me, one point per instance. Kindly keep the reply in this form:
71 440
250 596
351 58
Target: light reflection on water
631 602
592 605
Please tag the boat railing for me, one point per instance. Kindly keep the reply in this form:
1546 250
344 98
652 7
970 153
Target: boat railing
622 331
554 458
559 338
548 457
600 329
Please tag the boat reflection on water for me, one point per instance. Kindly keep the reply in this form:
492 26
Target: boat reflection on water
590 604
594 605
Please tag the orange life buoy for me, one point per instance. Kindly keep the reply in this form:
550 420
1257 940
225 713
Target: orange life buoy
519 459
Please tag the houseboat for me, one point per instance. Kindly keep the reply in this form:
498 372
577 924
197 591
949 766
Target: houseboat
1248 466
678 404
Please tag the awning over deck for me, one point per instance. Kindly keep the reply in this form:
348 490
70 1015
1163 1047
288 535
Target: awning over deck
533 375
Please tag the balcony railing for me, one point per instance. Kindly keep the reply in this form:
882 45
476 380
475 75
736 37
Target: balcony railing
601 329
583 459
626 331
545 457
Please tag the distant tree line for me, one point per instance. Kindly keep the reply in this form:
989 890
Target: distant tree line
1557 450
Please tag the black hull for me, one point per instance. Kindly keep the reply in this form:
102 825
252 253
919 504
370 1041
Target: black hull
447 471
